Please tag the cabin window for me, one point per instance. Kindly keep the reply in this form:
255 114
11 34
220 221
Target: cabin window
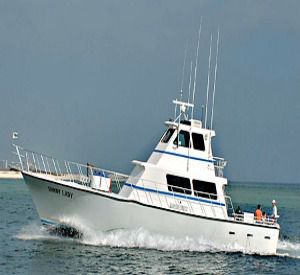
205 189
198 142
167 135
183 139
179 184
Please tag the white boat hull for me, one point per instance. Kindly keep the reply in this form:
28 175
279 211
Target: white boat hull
70 204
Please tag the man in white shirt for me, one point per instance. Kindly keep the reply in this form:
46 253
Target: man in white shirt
274 213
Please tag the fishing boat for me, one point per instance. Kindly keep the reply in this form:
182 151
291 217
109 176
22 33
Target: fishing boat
179 191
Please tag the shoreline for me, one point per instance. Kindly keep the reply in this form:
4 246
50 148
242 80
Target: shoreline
10 174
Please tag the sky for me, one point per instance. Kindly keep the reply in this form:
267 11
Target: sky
94 80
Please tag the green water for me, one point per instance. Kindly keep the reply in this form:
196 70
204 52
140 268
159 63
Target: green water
27 248
286 195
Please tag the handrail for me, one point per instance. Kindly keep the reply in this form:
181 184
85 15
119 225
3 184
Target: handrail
31 161
263 221
218 158
219 165
186 192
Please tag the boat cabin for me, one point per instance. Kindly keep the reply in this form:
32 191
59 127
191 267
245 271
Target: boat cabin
184 169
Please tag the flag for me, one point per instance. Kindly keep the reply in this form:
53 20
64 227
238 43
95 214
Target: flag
15 135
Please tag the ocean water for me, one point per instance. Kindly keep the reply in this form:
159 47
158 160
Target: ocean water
26 247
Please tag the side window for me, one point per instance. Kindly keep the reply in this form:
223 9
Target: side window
198 142
179 184
183 139
167 135
205 189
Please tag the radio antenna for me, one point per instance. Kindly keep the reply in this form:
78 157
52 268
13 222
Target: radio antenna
215 78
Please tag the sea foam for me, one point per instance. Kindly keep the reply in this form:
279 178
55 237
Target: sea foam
141 238
288 248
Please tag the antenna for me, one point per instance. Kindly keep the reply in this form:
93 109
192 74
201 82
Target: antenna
208 74
196 65
191 70
214 92
182 79
183 70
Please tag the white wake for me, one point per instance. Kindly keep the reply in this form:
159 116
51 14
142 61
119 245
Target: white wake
288 248
141 238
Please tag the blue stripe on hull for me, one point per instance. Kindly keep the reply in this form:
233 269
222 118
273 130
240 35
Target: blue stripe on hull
173 194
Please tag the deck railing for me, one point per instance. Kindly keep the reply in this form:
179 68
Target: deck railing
229 205
263 221
30 161
178 198
219 164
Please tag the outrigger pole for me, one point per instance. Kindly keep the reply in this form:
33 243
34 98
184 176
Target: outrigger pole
190 82
215 78
196 65
208 81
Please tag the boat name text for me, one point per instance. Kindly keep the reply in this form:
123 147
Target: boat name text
59 191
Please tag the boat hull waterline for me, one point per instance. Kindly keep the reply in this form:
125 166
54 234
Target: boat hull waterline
65 203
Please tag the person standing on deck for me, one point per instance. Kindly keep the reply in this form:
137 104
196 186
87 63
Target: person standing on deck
258 213
274 212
